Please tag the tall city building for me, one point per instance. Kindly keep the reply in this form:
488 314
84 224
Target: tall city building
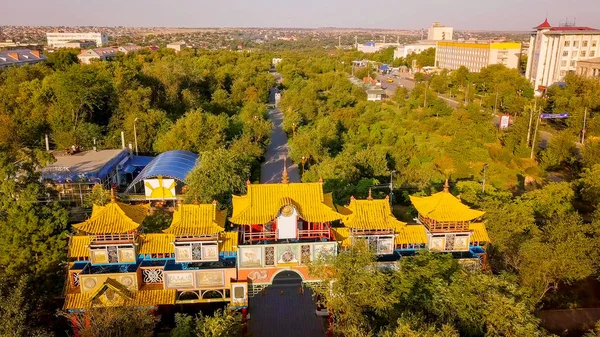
476 54
555 51
438 32
59 39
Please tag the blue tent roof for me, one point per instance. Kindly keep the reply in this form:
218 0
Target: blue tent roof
172 164
384 67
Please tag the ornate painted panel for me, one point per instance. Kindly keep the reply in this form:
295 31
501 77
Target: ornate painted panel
250 256
212 278
180 280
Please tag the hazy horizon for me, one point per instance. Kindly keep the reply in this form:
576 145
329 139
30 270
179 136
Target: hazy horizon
386 14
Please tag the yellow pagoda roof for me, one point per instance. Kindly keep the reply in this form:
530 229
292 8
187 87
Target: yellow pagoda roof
370 214
162 243
480 233
410 234
114 218
141 298
157 243
342 234
444 207
263 202
229 242
192 220
79 246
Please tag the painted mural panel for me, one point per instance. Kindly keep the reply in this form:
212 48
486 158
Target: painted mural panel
99 256
288 254
461 243
180 280
126 255
250 256
239 294
210 252
437 243
260 275
385 246
183 253
212 278
324 249
159 189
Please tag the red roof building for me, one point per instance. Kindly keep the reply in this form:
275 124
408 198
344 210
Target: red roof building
544 25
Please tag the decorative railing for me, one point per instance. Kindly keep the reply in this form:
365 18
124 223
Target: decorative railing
259 236
436 226
113 238
313 233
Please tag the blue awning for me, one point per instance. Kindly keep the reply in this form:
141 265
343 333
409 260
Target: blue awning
172 164
140 161
129 169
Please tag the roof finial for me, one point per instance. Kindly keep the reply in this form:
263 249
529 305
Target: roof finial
446 186
113 194
284 175
352 197
248 182
321 180
179 203
214 203
370 197
196 201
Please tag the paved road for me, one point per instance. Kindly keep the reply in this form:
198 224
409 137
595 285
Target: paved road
272 168
404 80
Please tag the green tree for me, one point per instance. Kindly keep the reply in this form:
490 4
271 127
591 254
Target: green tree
590 185
197 131
63 58
114 322
217 175
99 196
16 311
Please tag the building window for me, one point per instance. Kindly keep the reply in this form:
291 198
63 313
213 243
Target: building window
567 43
592 53
563 63
572 64
594 43
575 44
565 53
582 53
584 44
562 73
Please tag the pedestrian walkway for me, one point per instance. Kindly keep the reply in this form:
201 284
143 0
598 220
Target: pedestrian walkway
272 168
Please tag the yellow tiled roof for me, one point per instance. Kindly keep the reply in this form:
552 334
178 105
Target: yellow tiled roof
229 242
190 220
111 283
480 233
79 246
157 243
263 202
410 234
142 298
444 207
342 234
114 218
371 214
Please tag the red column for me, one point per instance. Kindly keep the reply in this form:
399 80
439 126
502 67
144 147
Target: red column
244 321
74 324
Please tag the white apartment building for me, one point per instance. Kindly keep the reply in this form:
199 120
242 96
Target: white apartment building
415 48
372 47
177 46
555 51
476 54
438 32
58 39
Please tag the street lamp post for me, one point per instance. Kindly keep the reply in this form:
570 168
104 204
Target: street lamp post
135 136
392 185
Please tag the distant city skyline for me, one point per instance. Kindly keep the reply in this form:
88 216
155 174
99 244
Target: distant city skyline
386 14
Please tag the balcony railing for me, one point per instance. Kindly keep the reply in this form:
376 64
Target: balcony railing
313 233
435 226
113 238
273 235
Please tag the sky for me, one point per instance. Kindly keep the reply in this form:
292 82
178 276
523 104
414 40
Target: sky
391 14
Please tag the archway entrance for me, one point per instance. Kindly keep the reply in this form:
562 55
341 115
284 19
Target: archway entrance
285 309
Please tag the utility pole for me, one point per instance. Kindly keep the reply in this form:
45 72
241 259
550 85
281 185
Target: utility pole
583 130
535 135
483 183
135 136
530 121
496 104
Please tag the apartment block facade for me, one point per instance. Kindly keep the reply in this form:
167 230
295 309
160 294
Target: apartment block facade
59 39
555 51
476 54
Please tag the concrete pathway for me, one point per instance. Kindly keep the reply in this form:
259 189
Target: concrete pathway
272 168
